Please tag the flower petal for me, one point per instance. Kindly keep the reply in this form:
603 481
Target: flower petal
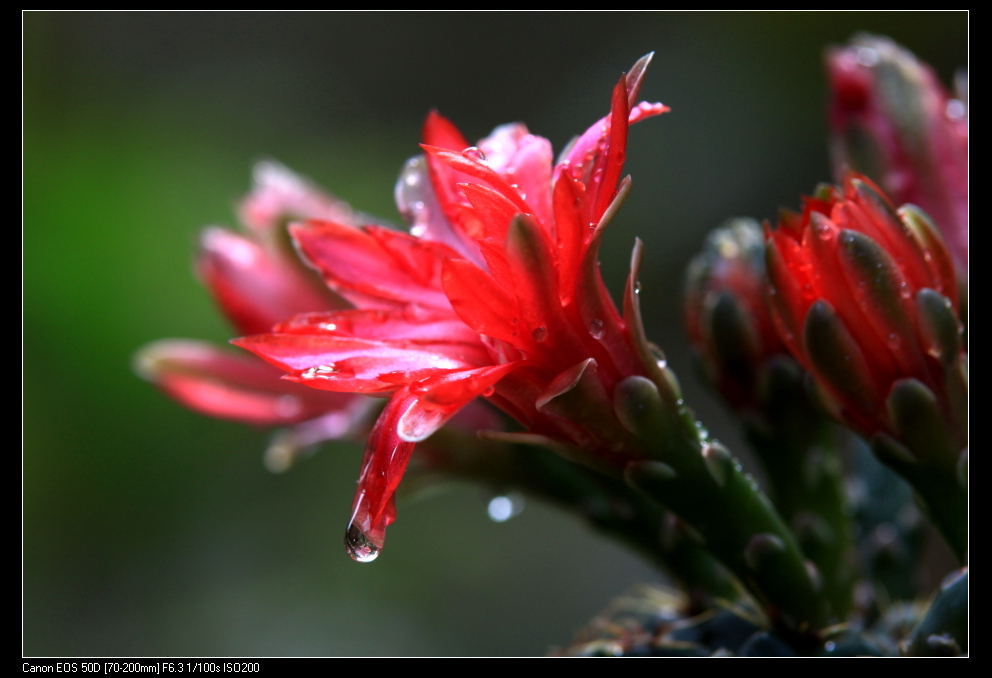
228 385
375 267
255 287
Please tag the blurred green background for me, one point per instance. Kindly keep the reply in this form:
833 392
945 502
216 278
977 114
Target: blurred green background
149 530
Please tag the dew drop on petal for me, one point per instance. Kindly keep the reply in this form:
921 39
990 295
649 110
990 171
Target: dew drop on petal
474 153
596 328
358 546
637 287
955 109
867 57
894 341
904 291
540 333
823 231
488 392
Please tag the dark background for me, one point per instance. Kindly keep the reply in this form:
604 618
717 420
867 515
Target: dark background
149 530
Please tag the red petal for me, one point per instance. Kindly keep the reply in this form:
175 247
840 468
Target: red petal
411 323
441 132
572 228
376 267
442 396
349 364
254 287
481 303
610 163
385 461
227 385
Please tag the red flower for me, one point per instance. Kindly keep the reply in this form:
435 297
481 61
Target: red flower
258 280
495 292
892 119
853 289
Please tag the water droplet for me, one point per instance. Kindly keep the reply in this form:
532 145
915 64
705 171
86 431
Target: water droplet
702 430
474 153
927 256
867 57
539 333
488 392
637 287
904 291
955 109
502 508
418 231
894 341
822 229
319 371
358 546
596 328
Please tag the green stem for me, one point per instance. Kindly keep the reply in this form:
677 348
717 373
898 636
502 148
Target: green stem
704 485
607 504
799 450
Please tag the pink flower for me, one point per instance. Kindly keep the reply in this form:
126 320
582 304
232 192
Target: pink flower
892 119
495 292
258 280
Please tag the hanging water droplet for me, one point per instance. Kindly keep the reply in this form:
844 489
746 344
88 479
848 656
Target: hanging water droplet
474 153
596 328
539 333
502 508
358 546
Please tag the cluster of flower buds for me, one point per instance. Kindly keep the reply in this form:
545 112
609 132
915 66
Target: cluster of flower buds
865 297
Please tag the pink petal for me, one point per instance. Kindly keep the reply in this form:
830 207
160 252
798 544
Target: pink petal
228 385
280 196
255 287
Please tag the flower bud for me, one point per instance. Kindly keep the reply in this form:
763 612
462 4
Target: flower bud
726 314
892 120
865 297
